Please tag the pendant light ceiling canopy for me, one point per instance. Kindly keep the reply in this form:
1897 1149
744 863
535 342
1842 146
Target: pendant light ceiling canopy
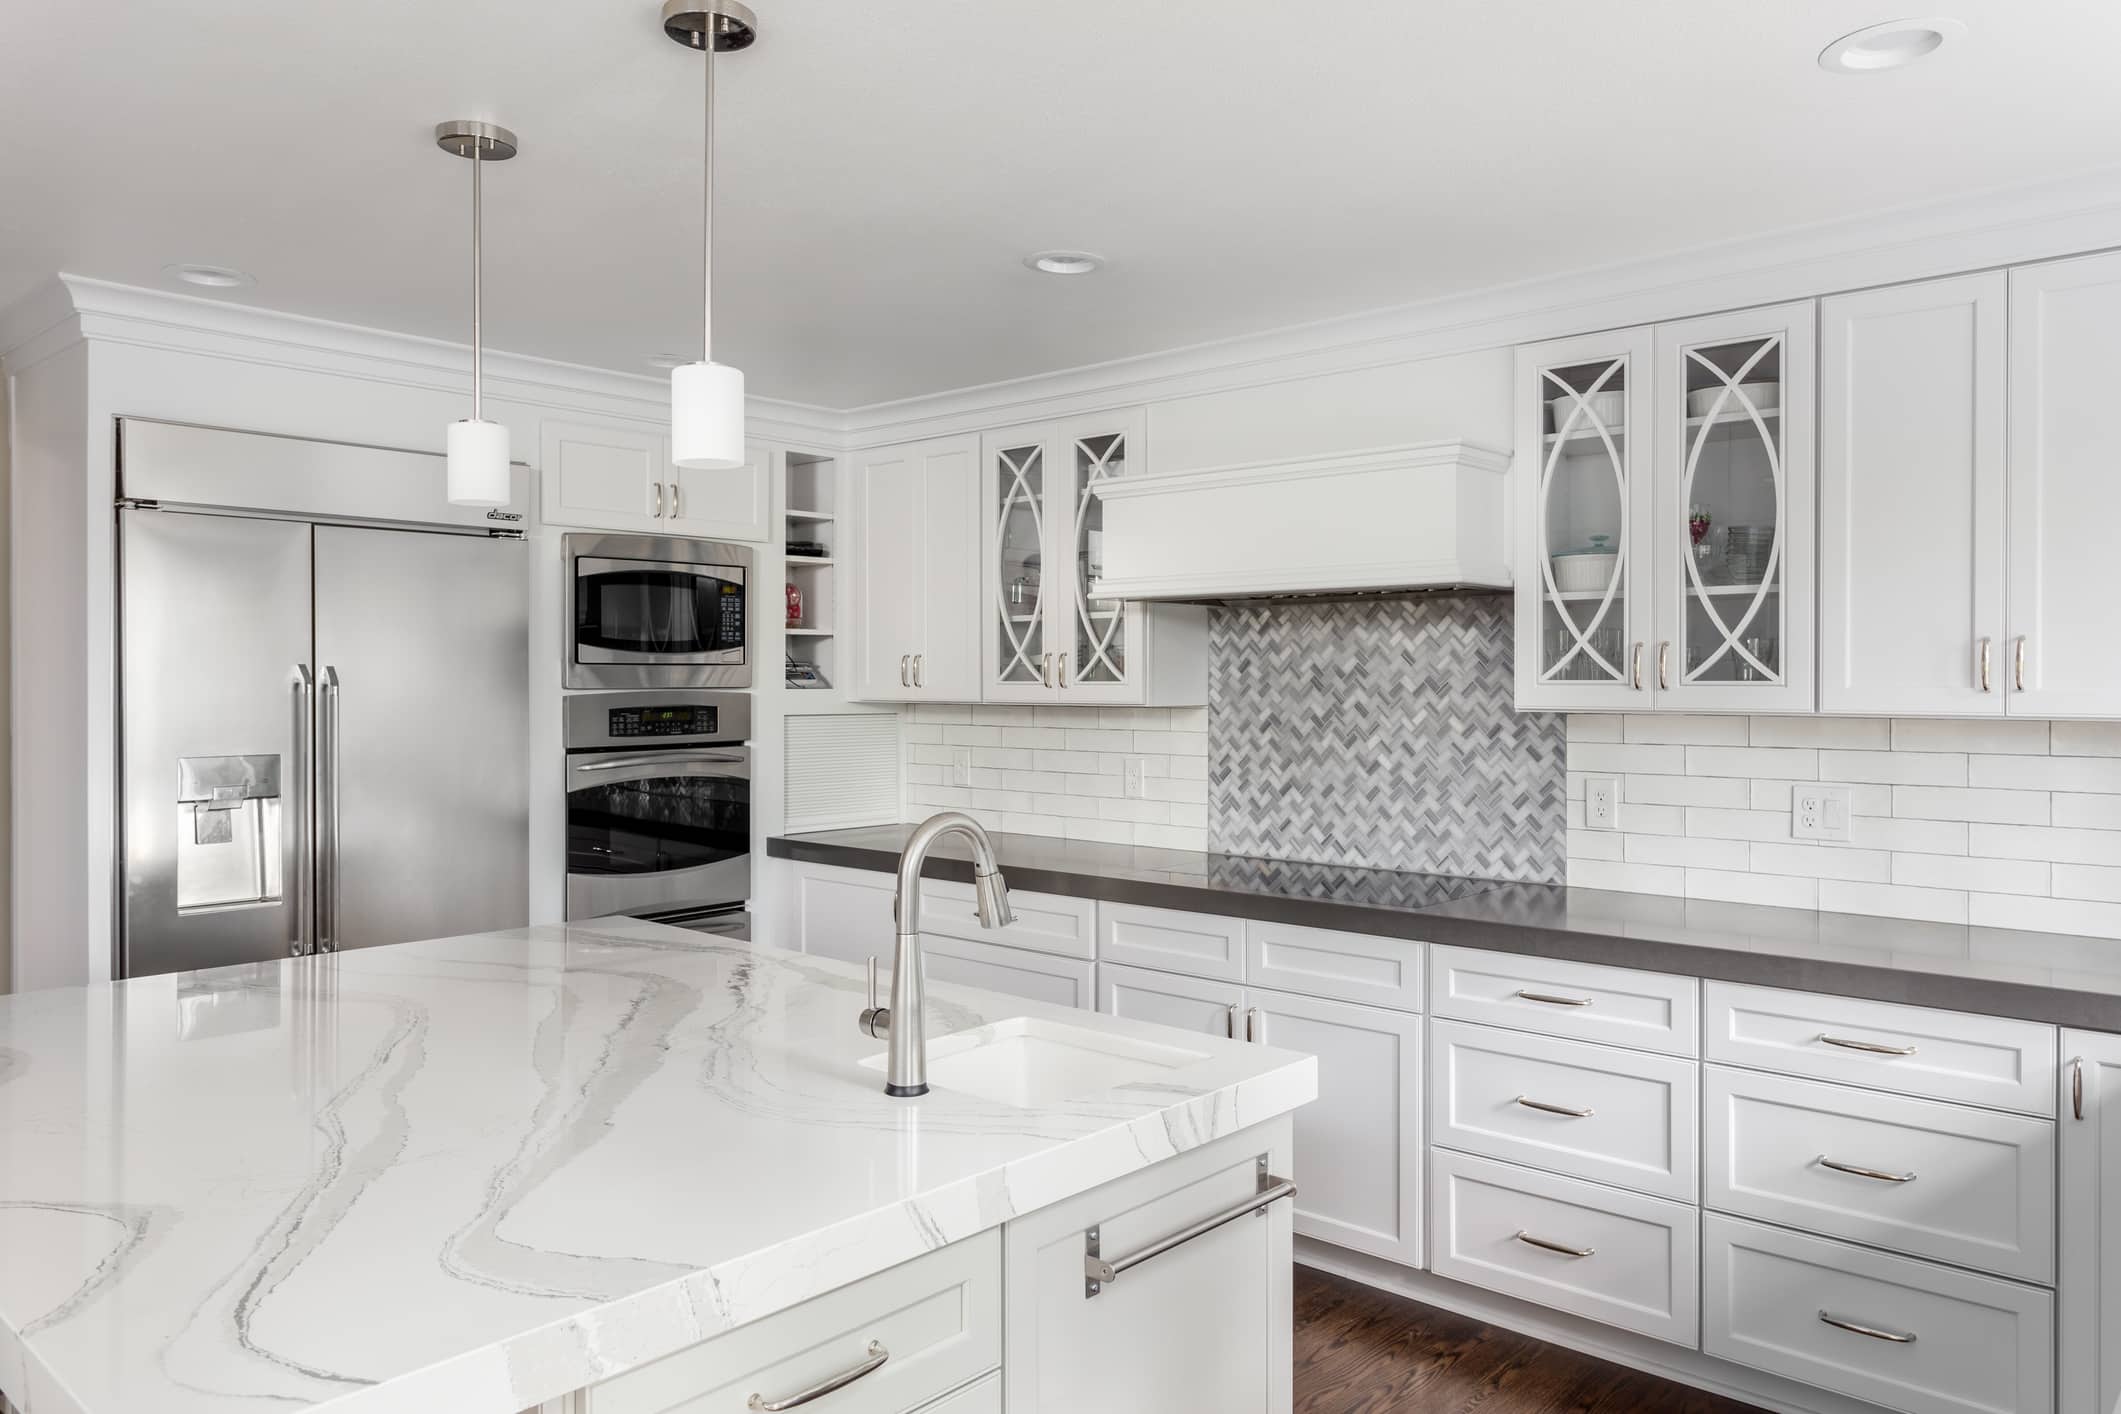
707 398
478 450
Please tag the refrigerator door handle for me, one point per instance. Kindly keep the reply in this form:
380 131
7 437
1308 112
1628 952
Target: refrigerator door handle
302 918
328 818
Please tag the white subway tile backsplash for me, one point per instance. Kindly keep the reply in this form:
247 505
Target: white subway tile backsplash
1677 729
1836 733
1036 738
2005 823
1780 763
2024 738
2000 807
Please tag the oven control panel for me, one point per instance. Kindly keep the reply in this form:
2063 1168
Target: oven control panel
662 721
655 718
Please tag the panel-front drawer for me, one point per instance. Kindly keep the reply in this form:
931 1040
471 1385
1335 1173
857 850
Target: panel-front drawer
1323 962
1051 923
1649 1011
1197 944
1619 1258
1962 1185
1905 1334
919 1330
1944 1055
1595 1112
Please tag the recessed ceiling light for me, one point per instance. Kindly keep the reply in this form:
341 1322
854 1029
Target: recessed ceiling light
1892 45
1065 262
670 360
213 277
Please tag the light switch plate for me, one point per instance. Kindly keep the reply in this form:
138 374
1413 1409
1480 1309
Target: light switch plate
1601 802
961 766
1821 813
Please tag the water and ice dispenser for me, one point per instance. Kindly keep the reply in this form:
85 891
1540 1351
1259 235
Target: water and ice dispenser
229 823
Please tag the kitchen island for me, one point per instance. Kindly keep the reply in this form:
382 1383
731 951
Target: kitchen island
486 1173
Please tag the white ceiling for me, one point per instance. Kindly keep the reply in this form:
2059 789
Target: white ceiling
884 168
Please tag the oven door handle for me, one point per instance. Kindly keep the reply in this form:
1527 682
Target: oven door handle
619 769
625 762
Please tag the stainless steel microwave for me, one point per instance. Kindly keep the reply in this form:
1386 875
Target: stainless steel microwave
658 612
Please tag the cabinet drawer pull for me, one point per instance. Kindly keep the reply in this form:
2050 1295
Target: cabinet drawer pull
1861 1172
1549 999
873 1362
1870 1047
1544 1108
1099 1270
1545 1246
1986 645
1858 1328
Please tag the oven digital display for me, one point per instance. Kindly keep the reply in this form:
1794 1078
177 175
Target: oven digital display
663 721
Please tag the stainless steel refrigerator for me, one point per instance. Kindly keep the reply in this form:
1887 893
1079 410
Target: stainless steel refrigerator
324 725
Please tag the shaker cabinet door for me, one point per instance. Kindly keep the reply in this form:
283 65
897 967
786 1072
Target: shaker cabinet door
603 476
1911 492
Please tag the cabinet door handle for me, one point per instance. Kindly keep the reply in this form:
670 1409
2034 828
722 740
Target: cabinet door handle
1871 1047
871 1363
1549 999
905 670
1896 1337
2018 661
917 669
1544 1108
1664 666
1251 1023
1861 1172
1045 670
658 500
1230 1023
677 500
1545 1246
1987 645
1060 669
2076 1087
1636 671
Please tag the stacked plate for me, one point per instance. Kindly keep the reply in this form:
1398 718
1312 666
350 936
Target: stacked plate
1746 551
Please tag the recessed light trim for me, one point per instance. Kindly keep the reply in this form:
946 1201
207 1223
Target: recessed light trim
1892 45
1065 262
212 277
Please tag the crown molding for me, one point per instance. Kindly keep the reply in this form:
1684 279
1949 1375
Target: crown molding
74 307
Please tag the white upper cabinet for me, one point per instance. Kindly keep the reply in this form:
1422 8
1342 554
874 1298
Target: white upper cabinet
1583 515
619 476
1732 536
916 572
1911 499
1044 636
2063 656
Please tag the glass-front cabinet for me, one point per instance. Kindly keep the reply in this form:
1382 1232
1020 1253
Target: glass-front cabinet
1665 517
1047 638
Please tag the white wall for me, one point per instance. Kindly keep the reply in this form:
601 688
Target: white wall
2005 824
6 669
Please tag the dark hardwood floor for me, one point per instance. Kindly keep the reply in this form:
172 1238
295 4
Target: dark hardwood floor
1363 1351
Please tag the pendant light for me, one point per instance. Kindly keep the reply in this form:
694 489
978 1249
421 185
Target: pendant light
707 398
478 449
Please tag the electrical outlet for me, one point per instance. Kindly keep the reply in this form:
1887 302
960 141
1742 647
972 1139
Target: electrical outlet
1821 813
1136 778
961 766
1601 802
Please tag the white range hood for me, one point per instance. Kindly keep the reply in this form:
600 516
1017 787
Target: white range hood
1429 516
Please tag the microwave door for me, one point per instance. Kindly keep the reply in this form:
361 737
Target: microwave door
629 612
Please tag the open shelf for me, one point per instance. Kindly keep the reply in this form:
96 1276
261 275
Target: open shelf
1715 591
793 514
807 561
808 632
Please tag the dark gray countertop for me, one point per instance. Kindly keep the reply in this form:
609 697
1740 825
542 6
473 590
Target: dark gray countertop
2049 977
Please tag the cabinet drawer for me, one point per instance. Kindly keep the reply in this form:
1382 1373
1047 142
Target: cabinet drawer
982 1398
1322 962
938 1317
1971 1344
1596 1112
1198 944
1962 1185
1626 1260
1649 1011
1169 999
1050 923
1035 976
1943 1055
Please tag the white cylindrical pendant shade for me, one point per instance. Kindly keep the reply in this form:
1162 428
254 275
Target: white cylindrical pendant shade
478 463
707 416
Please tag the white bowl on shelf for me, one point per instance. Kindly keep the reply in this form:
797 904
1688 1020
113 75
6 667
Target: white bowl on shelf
1584 571
1608 410
1767 397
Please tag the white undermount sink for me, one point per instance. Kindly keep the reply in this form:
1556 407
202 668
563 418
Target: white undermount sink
1028 1061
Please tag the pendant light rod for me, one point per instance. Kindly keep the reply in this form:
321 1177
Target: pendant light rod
710 27
481 143
707 222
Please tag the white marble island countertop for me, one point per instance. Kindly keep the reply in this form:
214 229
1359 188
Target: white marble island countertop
479 1173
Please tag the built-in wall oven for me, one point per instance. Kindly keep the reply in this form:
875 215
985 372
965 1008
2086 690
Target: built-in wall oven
657 611
659 806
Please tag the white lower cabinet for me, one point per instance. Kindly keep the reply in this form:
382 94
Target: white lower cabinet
1904 1334
914 1332
1621 1258
2091 1223
1205 1325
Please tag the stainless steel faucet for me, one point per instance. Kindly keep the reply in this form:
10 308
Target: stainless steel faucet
903 1023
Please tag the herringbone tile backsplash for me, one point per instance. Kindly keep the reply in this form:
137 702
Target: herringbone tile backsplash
1382 733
